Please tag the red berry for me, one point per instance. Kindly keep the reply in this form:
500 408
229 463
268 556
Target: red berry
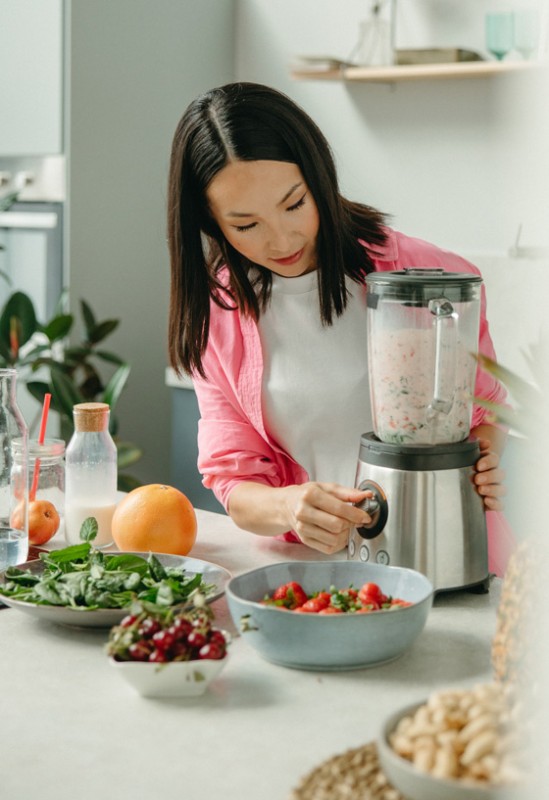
139 651
163 640
149 627
212 651
216 637
196 639
128 620
181 627
158 656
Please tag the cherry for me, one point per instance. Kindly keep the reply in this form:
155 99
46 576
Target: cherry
158 656
163 640
128 621
149 627
139 651
216 637
180 628
196 639
212 651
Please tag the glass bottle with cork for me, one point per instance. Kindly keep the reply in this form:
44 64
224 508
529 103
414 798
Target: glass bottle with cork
91 473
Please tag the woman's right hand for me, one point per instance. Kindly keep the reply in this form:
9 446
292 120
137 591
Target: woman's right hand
322 514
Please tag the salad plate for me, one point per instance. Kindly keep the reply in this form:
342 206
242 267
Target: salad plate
215 576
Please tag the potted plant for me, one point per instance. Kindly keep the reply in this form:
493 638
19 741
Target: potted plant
70 371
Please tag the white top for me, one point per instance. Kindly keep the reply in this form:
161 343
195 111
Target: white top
315 395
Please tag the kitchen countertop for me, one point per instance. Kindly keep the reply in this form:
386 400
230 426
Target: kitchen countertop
71 728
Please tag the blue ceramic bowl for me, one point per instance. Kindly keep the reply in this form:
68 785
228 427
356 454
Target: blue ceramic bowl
335 641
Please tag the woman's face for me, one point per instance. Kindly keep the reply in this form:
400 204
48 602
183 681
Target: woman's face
266 212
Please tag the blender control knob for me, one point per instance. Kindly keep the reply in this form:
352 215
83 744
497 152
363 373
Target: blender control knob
376 507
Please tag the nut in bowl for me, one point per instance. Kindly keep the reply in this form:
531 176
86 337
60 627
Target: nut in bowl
329 641
161 653
460 744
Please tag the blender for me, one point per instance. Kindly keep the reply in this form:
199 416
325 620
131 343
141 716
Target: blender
418 462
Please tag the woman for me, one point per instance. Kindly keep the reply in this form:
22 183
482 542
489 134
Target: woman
267 313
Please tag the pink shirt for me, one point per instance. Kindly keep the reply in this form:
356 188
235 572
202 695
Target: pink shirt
233 442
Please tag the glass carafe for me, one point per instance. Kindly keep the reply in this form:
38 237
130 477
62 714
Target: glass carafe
14 541
423 327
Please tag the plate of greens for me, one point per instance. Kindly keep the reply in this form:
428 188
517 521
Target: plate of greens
82 586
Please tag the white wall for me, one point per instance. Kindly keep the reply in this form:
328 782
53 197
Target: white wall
459 162
134 66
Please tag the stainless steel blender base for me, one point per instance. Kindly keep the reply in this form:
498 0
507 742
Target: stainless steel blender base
432 521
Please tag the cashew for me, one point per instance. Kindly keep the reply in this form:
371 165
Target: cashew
446 763
480 746
477 725
424 758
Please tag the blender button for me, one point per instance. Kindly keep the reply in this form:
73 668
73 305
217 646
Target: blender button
382 557
352 548
364 553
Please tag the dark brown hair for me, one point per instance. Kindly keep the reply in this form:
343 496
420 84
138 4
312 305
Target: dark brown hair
250 122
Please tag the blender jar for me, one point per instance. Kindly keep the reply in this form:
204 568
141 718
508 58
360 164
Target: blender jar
423 327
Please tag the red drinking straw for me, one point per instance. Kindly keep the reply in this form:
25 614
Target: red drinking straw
41 437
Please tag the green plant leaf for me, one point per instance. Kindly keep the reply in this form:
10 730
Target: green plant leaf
115 386
89 529
59 327
20 307
110 357
525 393
102 330
6 358
64 392
89 318
8 200
127 482
128 453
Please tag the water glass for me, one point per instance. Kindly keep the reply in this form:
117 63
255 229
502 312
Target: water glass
526 32
499 34
14 543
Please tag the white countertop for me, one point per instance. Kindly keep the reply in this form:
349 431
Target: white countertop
72 729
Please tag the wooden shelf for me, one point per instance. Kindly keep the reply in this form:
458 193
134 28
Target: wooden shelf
393 74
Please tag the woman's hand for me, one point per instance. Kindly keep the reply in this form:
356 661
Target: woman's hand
489 477
322 514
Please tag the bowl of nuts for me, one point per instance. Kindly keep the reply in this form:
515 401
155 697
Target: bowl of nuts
163 653
460 744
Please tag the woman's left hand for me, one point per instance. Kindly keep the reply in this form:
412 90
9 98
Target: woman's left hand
489 477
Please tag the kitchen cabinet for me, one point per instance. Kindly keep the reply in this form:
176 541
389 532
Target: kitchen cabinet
31 77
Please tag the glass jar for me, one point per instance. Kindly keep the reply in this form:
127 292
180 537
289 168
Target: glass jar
46 471
14 541
91 472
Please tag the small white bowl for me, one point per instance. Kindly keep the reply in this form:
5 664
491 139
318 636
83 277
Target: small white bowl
173 679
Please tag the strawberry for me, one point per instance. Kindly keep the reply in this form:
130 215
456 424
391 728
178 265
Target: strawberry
290 595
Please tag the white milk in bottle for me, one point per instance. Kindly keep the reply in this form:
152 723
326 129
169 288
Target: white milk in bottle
91 473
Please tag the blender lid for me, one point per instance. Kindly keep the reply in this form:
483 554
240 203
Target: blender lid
428 276
419 284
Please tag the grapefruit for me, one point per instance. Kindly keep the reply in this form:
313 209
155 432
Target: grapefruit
155 517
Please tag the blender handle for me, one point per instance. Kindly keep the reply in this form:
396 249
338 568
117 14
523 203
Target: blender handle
446 319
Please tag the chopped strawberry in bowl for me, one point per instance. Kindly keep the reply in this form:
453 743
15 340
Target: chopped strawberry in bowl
330 615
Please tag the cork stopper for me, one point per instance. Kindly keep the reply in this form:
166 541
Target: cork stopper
91 417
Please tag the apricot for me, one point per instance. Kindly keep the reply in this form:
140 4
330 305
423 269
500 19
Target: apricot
43 520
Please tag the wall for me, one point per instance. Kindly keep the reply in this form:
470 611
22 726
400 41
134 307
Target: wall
133 67
459 162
